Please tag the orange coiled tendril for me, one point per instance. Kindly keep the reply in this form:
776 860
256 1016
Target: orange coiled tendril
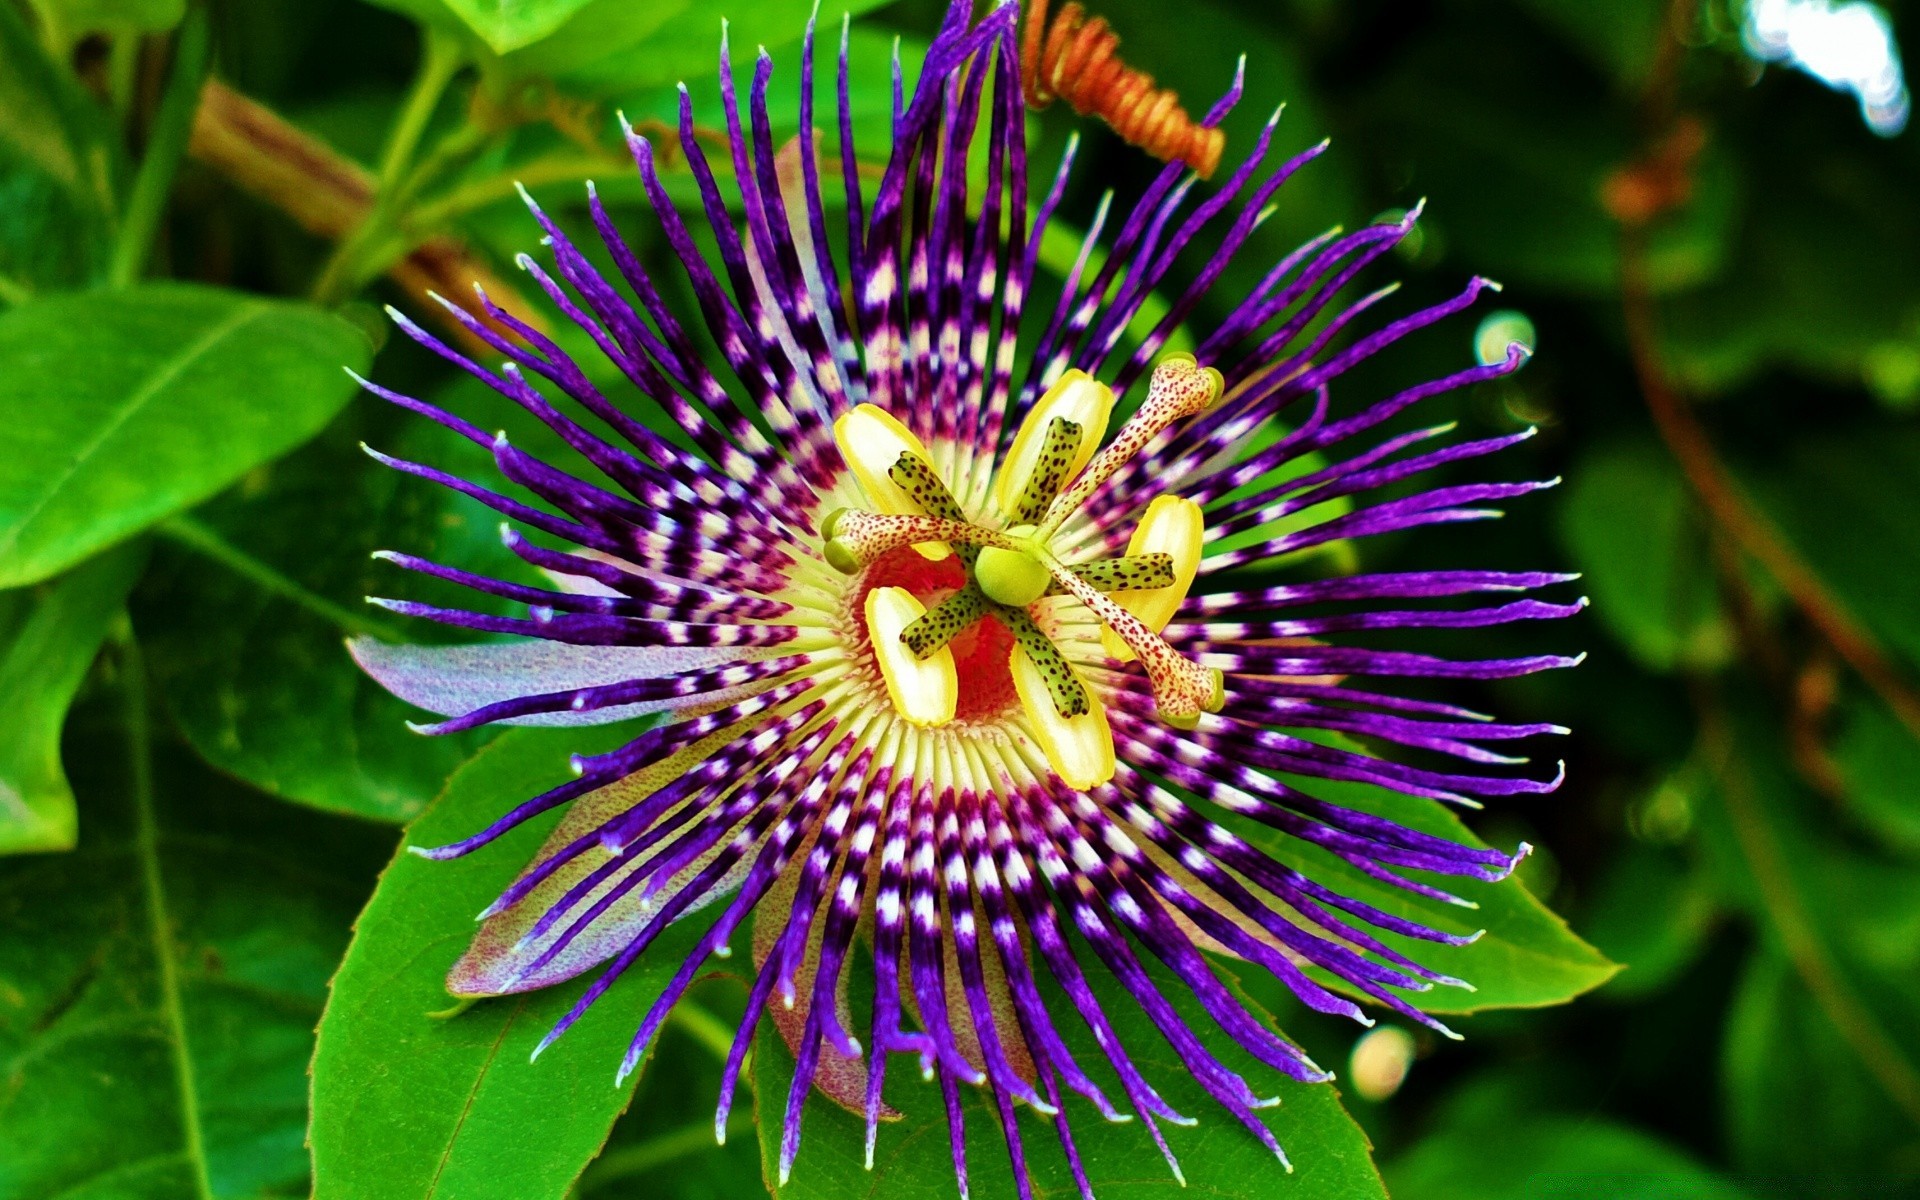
1075 59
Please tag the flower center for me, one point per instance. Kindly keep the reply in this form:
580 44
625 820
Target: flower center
931 573
984 680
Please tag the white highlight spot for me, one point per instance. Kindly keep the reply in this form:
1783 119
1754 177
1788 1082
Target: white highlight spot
1849 47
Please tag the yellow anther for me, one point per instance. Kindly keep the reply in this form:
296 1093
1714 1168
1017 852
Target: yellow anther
871 441
1075 397
1080 749
1172 525
924 691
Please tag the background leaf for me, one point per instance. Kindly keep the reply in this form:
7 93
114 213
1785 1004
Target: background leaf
248 609
1493 1149
52 644
1631 529
159 985
156 409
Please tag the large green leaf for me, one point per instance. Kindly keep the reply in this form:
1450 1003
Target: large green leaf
1631 528
159 985
41 667
1527 956
685 46
249 604
1330 1154
408 1104
119 408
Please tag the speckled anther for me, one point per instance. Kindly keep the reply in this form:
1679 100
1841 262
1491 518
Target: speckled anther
1075 397
1079 747
871 442
1059 455
1131 573
945 621
1174 529
854 538
1180 388
1055 677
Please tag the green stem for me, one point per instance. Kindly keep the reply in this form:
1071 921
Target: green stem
559 168
159 922
633 1160
201 539
123 68
440 60
166 147
705 1028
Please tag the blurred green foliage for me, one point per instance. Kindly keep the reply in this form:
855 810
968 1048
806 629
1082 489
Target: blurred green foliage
211 788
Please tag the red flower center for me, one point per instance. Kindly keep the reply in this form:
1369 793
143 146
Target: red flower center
979 653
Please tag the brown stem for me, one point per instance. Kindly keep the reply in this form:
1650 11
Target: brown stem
1800 937
328 194
1661 178
1727 503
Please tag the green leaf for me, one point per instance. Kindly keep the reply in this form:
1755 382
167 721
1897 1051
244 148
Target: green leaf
1845 918
119 408
249 605
159 985
500 25
605 39
1798 1102
1632 530
1329 1152
510 24
1527 957
1527 1157
47 120
41 668
407 1104
611 55
1514 155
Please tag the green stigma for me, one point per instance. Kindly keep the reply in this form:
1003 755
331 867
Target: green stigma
1015 578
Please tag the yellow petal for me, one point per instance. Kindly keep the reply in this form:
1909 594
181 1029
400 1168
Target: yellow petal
1079 398
871 441
1172 525
923 691
1080 749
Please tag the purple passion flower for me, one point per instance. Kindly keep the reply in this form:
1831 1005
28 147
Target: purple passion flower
941 613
